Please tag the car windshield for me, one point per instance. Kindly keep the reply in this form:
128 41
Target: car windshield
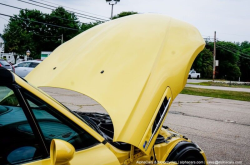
8 98
65 107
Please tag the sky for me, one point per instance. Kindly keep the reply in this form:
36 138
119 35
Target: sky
229 18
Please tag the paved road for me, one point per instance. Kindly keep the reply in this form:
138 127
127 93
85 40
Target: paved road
220 127
196 80
221 81
215 87
219 88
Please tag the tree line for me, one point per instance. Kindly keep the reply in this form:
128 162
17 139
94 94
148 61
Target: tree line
32 30
36 31
234 61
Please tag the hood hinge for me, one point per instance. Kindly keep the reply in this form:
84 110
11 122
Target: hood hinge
132 157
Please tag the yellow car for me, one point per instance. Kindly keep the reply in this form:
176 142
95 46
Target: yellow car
134 67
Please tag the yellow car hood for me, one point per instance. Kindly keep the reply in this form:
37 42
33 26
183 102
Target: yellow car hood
126 65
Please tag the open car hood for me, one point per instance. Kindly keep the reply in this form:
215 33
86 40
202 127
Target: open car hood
128 65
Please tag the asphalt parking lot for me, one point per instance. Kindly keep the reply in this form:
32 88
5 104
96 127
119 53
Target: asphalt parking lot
220 127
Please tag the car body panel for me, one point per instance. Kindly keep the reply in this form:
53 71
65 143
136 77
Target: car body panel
149 132
126 65
98 154
22 71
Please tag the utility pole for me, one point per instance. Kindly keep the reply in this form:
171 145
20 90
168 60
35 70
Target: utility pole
111 10
112 3
62 39
214 63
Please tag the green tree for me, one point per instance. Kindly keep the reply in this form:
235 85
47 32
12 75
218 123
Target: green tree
63 18
204 63
23 31
227 54
123 14
86 26
244 45
16 39
245 61
233 71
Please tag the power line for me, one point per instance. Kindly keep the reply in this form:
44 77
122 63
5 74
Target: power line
36 5
84 15
40 22
53 9
11 6
234 53
234 50
237 51
40 13
73 8
46 36
68 10
245 57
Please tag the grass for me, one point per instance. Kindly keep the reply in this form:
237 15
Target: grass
221 84
243 96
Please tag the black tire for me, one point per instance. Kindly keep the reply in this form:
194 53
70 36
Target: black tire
186 153
189 76
198 76
190 158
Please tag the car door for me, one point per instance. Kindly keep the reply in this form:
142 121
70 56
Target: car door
54 125
31 67
193 74
22 69
17 146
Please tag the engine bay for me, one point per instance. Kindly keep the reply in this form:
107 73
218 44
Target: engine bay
103 124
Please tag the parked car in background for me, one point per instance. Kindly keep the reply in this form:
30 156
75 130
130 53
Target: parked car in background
23 68
6 65
193 74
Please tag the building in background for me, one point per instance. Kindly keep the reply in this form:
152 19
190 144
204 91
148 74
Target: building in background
1 44
45 54
8 57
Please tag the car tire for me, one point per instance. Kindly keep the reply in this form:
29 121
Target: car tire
186 153
189 76
198 77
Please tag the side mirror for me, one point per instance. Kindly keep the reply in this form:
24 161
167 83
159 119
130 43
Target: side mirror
61 152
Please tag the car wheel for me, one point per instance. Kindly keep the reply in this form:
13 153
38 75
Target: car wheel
189 76
198 77
186 153
190 158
